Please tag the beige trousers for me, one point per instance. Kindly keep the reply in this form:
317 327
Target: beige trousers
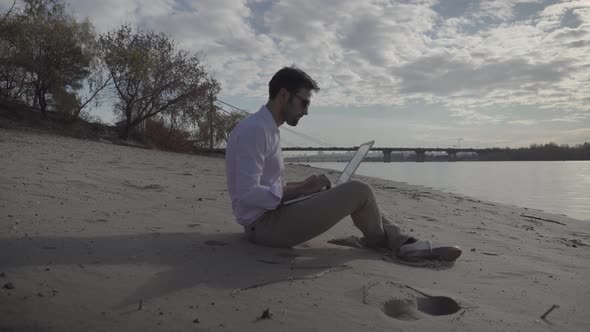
293 224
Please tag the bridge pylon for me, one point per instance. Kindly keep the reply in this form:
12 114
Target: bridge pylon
420 155
387 155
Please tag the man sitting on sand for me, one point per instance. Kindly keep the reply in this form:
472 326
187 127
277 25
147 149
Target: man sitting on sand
256 183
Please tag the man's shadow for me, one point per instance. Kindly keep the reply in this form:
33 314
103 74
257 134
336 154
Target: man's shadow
223 260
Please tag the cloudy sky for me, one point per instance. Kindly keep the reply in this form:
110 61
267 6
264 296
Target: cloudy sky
405 73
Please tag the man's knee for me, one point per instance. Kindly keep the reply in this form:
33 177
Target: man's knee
359 188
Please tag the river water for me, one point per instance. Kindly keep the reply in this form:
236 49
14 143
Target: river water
560 187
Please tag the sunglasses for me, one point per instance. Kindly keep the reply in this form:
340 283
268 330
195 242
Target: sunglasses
304 102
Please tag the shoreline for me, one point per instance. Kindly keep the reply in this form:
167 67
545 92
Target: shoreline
113 238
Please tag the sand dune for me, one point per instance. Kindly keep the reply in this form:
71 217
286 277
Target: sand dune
104 237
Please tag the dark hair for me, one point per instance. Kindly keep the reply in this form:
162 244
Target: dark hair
292 79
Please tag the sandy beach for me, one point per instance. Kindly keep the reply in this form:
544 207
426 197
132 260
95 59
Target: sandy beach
103 237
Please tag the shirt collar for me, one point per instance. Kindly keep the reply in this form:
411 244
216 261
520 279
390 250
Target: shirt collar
269 120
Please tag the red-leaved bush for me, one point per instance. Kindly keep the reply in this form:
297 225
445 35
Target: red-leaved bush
164 138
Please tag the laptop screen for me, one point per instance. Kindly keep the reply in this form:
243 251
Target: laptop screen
354 162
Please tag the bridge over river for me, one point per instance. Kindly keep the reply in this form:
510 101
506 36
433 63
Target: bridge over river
420 152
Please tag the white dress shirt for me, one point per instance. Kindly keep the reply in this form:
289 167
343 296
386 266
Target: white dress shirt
254 167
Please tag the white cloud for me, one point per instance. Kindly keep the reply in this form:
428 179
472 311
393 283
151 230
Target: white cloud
523 122
573 118
551 17
574 136
500 9
110 14
472 117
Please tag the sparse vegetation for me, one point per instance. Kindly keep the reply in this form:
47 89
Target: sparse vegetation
56 65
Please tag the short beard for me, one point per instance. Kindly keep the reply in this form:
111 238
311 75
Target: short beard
290 121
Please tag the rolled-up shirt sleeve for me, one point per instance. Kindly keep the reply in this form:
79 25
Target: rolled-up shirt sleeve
251 151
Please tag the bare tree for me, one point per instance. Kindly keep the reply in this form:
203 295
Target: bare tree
151 76
222 125
13 79
7 14
55 51
226 123
98 79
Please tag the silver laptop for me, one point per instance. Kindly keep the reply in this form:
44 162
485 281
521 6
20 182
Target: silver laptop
348 171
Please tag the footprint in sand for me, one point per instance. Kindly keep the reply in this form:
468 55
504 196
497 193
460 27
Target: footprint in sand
404 302
419 308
